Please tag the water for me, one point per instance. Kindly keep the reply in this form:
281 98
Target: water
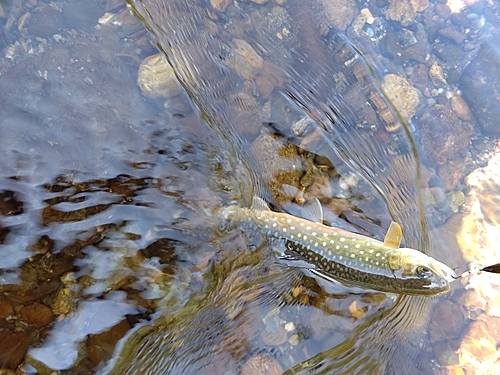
108 198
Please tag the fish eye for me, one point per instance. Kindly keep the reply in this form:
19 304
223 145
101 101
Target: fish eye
423 272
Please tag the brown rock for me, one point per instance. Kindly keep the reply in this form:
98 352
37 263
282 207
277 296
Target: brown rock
340 13
454 35
461 109
261 364
419 76
404 97
477 344
37 314
100 347
401 11
5 308
445 138
13 347
220 5
419 5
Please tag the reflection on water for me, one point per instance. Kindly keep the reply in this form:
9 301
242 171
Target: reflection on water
112 258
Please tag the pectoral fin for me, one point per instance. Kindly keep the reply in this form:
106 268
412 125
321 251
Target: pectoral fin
259 204
394 235
313 211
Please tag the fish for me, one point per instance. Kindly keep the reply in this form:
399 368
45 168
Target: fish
350 257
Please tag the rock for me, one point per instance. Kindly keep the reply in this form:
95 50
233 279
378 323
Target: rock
220 5
45 23
486 186
82 15
404 97
404 45
477 345
5 308
419 5
100 347
447 321
261 364
13 347
461 109
37 315
454 35
446 352
156 78
437 75
479 86
401 11
340 13
446 141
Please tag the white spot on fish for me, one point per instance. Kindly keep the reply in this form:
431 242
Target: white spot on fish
289 220
301 224
308 228
383 258
337 247
292 236
366 259
371 251
335 233
325 234
332 241
340 257
315 244
361 251
284 230
377 255
305 237
313 233
324 243
266 226
342 239
346 246
353 256
376 263
357 246
274 225
292 228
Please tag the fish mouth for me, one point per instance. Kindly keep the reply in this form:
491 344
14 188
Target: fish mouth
447 272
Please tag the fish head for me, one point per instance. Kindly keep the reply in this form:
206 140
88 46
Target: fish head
419 274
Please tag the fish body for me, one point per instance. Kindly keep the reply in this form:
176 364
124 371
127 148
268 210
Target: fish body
351 257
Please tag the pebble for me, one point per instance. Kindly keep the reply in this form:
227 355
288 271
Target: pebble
437 75
404 97
37 315
461 108
261 364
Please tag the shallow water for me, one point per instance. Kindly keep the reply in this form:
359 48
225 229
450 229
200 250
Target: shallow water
109 199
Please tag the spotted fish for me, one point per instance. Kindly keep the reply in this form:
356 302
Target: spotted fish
354 258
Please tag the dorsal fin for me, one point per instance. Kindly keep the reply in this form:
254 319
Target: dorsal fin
312 211
259 204
394 235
